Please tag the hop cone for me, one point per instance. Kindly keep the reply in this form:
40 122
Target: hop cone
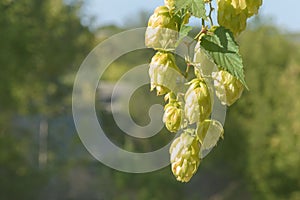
164 73
228 88
198 102
233 14
173 116
162 30
184 157
231 17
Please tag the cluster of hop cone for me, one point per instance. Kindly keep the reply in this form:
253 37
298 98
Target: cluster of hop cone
189 103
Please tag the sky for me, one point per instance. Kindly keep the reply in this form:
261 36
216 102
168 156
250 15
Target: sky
285 13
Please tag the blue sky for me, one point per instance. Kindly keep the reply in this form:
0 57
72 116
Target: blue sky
283 13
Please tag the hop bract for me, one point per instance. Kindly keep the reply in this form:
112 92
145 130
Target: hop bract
253 6
198 102
164 73
173 116
228 88
170 4
184 157
162 30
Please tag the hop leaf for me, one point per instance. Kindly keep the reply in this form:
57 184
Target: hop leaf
198 102
219 45
195 7
164 74
184 156
228 88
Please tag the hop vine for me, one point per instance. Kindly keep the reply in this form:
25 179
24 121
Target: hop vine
218 70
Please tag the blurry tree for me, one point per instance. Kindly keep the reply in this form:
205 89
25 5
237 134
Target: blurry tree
41 42
262 133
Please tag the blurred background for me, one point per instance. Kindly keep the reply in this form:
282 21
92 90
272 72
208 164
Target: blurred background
42 44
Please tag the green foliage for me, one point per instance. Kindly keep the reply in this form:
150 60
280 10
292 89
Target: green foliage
195 7
184 31
267 117
41 41
220 46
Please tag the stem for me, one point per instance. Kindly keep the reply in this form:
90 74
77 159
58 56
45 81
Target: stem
211 9
187 70
203 22
203 30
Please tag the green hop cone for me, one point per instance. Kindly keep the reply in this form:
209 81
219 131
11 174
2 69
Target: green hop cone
162 31
228 88
233 14
173 116
184 156
231 17
164 74
198 101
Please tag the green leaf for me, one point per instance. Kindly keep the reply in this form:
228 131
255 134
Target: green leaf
195 7
184 31
220 46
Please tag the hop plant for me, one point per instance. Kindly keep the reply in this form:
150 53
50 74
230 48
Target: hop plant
173 114
184 156
198 102
162 30
216 59
228 88
164 73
